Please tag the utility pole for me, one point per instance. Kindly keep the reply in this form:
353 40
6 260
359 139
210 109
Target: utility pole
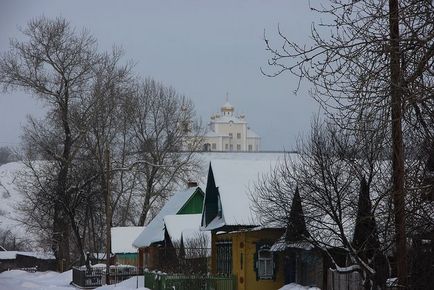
108 213
398 173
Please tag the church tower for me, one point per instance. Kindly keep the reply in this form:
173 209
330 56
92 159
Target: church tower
230 132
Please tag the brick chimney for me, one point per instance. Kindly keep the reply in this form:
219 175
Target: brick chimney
191 183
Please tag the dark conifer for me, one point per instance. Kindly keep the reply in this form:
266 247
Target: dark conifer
365 239
296 227
366 242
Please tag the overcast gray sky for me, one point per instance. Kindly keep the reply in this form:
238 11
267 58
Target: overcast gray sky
201 48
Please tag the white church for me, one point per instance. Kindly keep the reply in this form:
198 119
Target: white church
229 132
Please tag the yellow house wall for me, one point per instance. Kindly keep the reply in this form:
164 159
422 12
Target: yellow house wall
244 245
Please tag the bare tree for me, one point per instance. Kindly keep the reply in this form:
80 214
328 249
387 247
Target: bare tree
162 122
374 59
95 105
5 155
10 241
328 170
55 63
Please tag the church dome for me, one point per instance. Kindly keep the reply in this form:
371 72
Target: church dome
227 107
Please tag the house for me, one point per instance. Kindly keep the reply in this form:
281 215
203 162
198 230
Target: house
122 239
191 246
31 261
302 263
240 246
154 249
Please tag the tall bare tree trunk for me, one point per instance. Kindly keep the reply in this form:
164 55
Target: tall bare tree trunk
108 215
398 173
61 224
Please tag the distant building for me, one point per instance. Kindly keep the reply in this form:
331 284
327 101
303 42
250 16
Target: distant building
122 248
228 132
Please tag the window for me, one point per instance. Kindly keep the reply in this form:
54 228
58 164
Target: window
238 147
238 135
226 147
250 147
214 146
231 135
264 263
206 147
219 207
231 147
224 257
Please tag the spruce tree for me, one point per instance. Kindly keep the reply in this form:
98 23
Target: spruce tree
365 240
296 227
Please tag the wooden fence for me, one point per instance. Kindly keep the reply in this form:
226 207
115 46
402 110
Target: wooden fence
161 281
96 276
344 281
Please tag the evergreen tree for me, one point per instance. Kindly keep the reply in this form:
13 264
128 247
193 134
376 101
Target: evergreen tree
366 242
296 227
365 233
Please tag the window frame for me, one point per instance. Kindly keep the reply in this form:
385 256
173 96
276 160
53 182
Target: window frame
224 257
265 266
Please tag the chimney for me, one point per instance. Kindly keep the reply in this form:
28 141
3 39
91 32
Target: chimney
191 183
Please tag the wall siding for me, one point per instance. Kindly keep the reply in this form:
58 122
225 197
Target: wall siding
243 262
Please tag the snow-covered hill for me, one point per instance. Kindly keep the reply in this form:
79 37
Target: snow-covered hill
10 197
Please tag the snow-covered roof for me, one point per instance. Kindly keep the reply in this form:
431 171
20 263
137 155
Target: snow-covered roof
281 245
177 224
228 119
196 243
235 178
154 231
213 134
11 255
252 134
123 237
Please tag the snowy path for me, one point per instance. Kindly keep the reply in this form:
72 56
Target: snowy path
21 280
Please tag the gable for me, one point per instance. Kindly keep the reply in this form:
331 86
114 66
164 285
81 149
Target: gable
194 205
228 193
211 203
154 231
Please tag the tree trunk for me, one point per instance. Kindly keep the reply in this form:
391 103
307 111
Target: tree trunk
398 174
108 214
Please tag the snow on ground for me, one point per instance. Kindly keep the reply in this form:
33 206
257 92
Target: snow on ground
21 280
294 286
